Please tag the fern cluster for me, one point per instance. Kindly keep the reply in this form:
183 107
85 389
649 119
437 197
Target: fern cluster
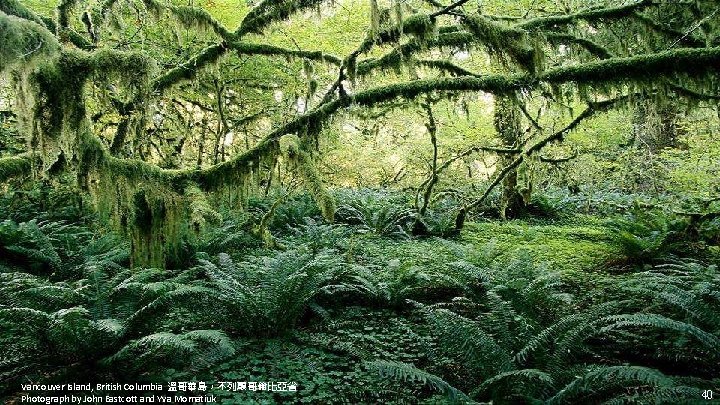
70 310
529 339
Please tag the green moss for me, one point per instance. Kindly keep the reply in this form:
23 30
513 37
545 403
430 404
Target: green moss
267 12
246 48
201 212
374 19
292 148
693 62
270 11
420 25
189 17
22 41
505 42
585 15
63 12
189 69
15 8
581 244
14 166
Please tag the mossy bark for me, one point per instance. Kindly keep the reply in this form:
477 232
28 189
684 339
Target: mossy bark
655 124
507 124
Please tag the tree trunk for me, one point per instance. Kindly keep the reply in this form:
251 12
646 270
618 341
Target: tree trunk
507 124
655 125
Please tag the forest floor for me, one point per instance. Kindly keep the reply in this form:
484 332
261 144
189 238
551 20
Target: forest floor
330 357
507 310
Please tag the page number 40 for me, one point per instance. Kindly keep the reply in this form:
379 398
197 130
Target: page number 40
707 394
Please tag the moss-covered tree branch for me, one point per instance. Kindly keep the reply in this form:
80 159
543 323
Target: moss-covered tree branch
616 12
613 70
270 11
591 110
256 21
691 62
246 48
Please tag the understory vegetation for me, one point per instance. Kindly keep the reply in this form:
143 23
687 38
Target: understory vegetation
573 309
371 201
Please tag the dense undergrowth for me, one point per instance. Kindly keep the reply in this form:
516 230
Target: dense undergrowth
620 307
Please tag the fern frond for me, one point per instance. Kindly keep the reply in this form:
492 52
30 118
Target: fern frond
661 322
409 373
463 339
185 296
661 395
565 325
198 348
523 382
609 379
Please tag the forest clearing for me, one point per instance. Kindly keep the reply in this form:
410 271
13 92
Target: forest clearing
360 201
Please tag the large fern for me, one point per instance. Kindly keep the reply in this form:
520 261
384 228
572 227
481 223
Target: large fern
411 374
198 349
607 380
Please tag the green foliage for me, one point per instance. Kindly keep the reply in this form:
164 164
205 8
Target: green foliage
375 211
196 349
409 374
645 235
268 295
153 120
26 242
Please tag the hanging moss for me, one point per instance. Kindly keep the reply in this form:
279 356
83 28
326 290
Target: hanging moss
350 66
201 212
639 68
269 11
421 26
397 7
189 17
149 231
291 147
374 20
505 42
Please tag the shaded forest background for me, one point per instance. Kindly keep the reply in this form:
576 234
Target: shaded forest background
386 201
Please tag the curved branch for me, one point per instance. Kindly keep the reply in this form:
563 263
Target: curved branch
246 48
449 8
188 69
689 61
255 22
585 15
590 46
591 110
680 61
